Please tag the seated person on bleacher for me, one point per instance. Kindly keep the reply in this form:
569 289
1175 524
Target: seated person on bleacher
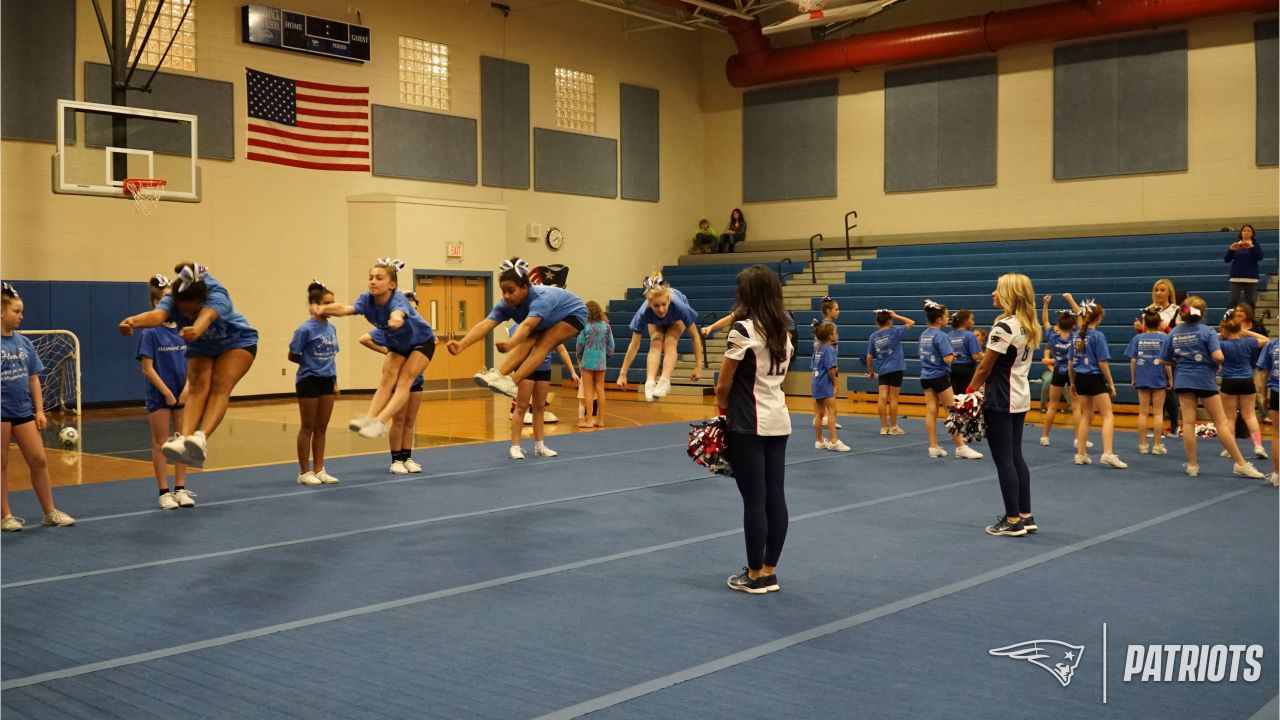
737 232
705 239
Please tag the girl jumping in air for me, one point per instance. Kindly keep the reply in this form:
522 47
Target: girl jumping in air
664 317
400 436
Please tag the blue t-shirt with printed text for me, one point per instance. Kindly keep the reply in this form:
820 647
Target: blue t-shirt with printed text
678 309
1060 351
1191 348
1089 361
964 345
1147 350
18 362
401 341
823 360
935 346
1238 357
885 348
316 345
1269 360
229 331
168 353
547 303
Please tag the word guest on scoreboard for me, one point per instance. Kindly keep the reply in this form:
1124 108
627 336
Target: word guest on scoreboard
273 27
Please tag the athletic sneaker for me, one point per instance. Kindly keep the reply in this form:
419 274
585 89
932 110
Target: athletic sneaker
1192 470
1083 459
1044 441
168 502
528 417
1075 444
1002 526
357 424
375 428
895 430
742 582
964 452
839 426
543 451
11 524
1159 450
516 452
662 388
412 466
884 431
649 387
549 417
1113 460
821 445
308 478
175 449
398 468
1273 478
325 477
197 448
1224 454
1246 469
1029 523
771 582
183 496
57 518
1144 450
937 452
1260 452
497 382
839 446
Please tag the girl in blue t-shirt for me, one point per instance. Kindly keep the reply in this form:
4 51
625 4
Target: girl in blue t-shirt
935 359
1057 361
1092 386
221 347
400 436
826 373
314 347
1151 376
547 316
22 414
1196 352
410 341
163 354
885 362
1239 350
966 348
664 316
1269 362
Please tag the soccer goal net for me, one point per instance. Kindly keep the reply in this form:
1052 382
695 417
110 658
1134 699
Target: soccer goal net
59 352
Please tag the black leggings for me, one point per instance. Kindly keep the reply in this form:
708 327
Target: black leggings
1004 436
759 466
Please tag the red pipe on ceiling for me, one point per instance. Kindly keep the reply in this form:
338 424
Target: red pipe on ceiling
758 63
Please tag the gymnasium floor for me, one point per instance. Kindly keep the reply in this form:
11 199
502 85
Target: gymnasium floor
593 583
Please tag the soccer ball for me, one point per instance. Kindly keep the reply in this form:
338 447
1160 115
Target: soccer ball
68 435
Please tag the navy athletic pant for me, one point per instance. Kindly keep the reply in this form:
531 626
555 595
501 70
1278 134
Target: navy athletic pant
1004 436
759 467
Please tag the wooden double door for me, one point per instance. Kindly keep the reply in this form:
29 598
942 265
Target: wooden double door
452 304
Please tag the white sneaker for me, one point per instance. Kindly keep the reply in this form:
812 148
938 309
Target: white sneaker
1260 452
516 452
497 382
11 523
197 448
1246 469
357 424
1113 460
1083 459
175 449
57 518
1192 470
937 452
549 417
183 496
821 445
167 502
544 451
1159 450
884 431
1044 441
308 478
662 387
649 387
1075 444
895 430
839 446
326 478
1144 450
1274 479
398 468
375 428
528 417
964 452
412 466
839 426
1224 454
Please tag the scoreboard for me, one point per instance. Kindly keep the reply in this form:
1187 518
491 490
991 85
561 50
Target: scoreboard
273 27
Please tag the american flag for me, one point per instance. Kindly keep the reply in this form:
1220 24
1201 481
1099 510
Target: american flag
306 124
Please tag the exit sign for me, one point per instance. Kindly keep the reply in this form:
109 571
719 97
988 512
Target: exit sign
453 249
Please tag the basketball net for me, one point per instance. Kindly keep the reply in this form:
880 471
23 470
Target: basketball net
146 193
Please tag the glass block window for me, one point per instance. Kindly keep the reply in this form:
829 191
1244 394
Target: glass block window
424 73
182 56
575 100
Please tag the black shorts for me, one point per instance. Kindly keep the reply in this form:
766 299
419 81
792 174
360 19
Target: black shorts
1200 394
1238 386
893 379
1060 379
540 376
575 322
19 420
938 384
961 374
1274 403
1090 384
417 385
314 386
427 348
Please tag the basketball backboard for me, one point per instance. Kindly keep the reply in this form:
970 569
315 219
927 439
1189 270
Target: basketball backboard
98 146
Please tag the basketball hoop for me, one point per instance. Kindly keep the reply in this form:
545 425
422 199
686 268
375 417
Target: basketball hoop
146 193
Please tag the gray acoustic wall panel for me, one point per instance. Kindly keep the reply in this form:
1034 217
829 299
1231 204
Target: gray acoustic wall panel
1120 107
37 66
576 164
209 100
423 145
940 126
1265 51
789 142
504 123
638 142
